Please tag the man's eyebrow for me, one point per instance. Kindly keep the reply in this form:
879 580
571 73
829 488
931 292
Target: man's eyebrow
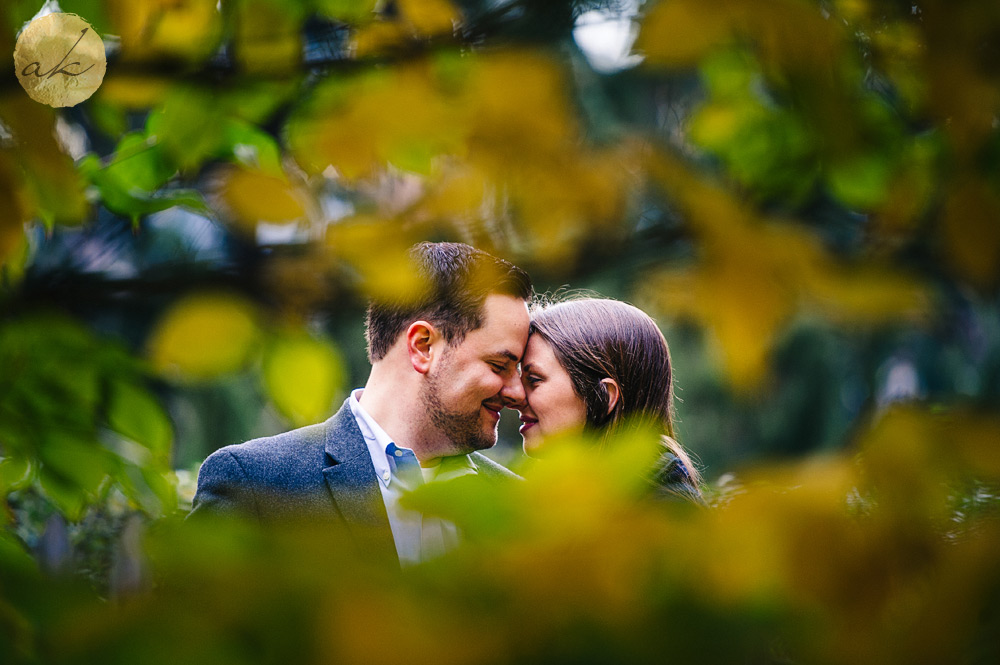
506 355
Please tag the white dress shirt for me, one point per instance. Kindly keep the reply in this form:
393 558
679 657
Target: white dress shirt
417 538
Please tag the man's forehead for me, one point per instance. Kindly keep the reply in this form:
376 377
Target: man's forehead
505 324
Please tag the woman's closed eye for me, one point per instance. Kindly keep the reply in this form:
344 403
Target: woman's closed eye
533 379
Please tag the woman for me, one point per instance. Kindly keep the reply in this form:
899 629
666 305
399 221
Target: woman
600 366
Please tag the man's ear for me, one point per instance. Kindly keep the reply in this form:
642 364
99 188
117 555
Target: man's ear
420 339
614 392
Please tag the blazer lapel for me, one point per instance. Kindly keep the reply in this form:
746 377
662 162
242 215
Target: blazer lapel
352 482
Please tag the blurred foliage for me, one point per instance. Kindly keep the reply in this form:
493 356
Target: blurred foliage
805 193
831 560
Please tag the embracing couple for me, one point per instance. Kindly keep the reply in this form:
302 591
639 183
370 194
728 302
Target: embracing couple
445 363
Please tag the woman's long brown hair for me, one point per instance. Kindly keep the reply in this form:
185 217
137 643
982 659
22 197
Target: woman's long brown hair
596 338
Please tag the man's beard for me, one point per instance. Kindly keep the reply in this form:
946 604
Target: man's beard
464 430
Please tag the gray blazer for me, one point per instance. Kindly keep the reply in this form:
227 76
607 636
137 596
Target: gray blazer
321 471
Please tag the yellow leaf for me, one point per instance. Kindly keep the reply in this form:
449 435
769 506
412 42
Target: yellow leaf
971 232
906 455
713 125
250 196
389 273
865 294
517 110
362 124
429 17
459 192
268 36
564 199
754 275
133 92
678 34
303 376
16 211
204 336
786 33
378 37
348 11
186 29
55 190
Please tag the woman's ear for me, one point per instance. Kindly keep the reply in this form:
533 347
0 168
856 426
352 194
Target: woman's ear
614 392
420 339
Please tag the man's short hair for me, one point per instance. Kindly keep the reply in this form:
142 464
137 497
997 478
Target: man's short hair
454 280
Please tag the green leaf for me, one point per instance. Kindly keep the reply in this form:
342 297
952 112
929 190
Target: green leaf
92 11
348 11
15 473
862 182
77 460
188 127
252 146
134 413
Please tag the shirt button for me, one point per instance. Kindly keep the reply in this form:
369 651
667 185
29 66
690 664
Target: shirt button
386 475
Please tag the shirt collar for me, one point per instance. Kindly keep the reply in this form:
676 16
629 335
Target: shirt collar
376 440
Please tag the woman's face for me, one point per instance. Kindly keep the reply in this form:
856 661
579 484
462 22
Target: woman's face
551 405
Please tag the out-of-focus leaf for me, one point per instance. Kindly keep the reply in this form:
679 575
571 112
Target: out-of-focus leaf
414 20
253 147
902 468
970 232
134 413
67 497
249 196
187 137
15 472
861 183
679 33
138 163
195 125
128 91
753 275
94 11
356 125
203 336
130 184
58 374
267 35
378 38
517 108
429 17
911 188
349 11
912 438
560 204
303 376
54 184
17 210
389 275
867 294
149 488
152 29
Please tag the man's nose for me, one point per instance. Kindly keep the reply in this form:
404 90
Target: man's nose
513 391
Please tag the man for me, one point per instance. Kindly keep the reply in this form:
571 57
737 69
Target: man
444 364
